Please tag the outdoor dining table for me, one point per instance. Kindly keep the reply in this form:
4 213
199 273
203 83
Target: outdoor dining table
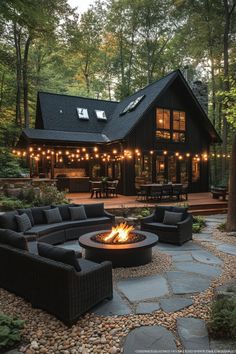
149 186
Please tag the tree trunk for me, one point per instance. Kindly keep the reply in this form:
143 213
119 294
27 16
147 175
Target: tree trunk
25 82
231 218
17 42
1 89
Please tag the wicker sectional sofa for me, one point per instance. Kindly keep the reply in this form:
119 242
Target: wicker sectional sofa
49 284
59 232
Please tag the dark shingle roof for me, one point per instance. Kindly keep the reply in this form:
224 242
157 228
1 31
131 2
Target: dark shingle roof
62 136
53 104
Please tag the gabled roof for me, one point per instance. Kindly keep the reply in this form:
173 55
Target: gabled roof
60 120
59 112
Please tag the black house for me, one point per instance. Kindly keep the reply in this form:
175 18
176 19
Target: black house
159 134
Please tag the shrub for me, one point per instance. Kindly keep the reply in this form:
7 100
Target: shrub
9 164
223 318
10 331
49 194
222 227
7 204
198 223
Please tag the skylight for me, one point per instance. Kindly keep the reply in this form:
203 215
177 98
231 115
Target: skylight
82 113
132 105
100 114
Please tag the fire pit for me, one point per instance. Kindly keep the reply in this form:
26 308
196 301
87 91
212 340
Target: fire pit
123 246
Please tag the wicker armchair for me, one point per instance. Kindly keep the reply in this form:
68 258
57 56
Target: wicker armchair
176 234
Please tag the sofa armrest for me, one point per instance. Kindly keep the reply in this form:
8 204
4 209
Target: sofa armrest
186 224
149 218
103 266
109 215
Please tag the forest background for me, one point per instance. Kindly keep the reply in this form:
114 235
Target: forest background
113 49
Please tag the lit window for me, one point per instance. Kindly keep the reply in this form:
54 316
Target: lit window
82 113
163 124
101 114
178 137
178 120
163 135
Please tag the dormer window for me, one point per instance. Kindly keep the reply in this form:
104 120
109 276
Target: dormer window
100 114
82 113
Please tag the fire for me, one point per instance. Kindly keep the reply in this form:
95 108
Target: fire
119 233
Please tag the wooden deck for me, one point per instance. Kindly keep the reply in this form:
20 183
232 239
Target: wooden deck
199 203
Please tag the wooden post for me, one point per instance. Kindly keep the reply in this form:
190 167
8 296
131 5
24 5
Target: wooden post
52 166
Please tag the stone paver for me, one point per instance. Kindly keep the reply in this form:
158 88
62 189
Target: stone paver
193 333
182 257
138 289
206 257
186 283
175 304
188 246
147 307
199 268
223 346
226 248
116 306
149 339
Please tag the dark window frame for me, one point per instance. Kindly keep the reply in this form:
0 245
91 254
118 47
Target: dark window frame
171 130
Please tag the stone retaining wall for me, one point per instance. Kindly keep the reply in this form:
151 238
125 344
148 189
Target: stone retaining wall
13 187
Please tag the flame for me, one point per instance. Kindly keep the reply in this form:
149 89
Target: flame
119 233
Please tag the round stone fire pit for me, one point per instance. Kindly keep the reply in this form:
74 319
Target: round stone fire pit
136 252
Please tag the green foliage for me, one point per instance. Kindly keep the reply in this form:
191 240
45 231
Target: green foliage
222 227
198 224
143 213
10 331
223 318
49 194
9 164
7 204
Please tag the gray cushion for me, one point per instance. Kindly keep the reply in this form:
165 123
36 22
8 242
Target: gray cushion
28 212
45 229
59 254
157 226
94 210
160 212
78 213
172 218
53 216
86 265
8 220
64 210
23 222
38 214
13 239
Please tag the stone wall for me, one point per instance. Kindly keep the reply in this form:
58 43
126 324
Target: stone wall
14 187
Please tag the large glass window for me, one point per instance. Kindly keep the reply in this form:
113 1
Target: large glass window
160 169
195 170
170 125
172 169
163 124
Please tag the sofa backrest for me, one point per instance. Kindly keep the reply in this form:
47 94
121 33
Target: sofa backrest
8 220
160 212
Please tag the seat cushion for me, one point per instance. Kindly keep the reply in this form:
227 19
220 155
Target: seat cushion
172 218
59 254
160 226
13 239
29 213
8 220
86 265
23 222
78 213
94 210
45 229
160 212
53 216
64 210
38 214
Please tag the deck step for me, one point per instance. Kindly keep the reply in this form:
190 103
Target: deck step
209 211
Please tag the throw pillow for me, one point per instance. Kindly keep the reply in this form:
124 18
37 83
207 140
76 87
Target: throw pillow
64 210
28 212
13 239
182 210
172 218
94 210
160 212
53 216
59 254
23 222
38 214
8 220
78 213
